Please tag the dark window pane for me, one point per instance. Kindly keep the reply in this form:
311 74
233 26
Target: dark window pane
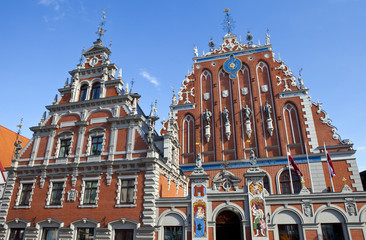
90 195
285 182
83 91
49 234
173 233
127 191
95 91
85 234
332 231
56 194
97 144
288 232
65 147
16 234
123 234
26 193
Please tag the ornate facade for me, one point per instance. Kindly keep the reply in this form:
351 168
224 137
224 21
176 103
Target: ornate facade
97 169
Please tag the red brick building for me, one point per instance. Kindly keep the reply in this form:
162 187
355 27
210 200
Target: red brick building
97 169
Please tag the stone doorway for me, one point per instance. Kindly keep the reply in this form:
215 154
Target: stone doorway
228 226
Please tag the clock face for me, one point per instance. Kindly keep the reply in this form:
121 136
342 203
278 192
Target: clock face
232 66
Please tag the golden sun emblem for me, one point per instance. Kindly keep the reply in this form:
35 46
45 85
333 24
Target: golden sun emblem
232 65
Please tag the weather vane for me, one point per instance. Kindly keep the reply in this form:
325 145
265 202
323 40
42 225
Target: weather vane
101 30
300 70
81 57
228 23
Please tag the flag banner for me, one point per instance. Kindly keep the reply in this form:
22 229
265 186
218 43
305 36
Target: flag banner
330 163
292 161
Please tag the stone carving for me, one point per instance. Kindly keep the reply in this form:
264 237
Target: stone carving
195 50
247 114
226 180
225 114
268 111
307 209
18 147
207 118
253 160
72 195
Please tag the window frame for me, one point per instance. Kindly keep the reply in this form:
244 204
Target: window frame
16 228
82 203
96 132
50 192
44 229
296 181
64 135
96 89
120 188
98 144
83 92
78 232
20 193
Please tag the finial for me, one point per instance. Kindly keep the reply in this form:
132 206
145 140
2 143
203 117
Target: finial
126 88
268 41
344 180
249 38
81 57
66 82
195 50
101 30
110 45
300 70
132 82
55 99
211 44
172 88
120 73
44 116
228 24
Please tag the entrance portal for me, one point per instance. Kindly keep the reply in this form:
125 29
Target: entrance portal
228 226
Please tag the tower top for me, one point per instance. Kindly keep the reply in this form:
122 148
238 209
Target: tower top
101 30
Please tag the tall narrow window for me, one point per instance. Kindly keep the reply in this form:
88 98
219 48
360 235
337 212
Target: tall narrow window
97 145
85 234
26 194
95 91
188 134
266 183
90 195
127 190
56 194
83 91
285 182
292 127
65 147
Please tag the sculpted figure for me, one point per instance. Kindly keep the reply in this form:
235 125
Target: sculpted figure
247 112
267 110
225 113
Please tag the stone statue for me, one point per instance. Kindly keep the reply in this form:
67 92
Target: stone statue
207 116
267 110
226 115
253 159
18 147
199 161
247 112
195 50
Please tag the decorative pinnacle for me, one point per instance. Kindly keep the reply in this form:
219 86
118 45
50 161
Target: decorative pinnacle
228 23
344 180
81 57
101 30
300 70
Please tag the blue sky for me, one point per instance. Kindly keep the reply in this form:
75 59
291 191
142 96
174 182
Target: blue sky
153 42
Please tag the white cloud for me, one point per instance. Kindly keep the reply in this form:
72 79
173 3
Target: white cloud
150 78
54 3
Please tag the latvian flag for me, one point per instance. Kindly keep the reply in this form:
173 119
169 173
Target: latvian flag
292 161
330 163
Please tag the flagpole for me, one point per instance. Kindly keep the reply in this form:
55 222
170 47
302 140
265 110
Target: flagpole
289 169
311 178
330 175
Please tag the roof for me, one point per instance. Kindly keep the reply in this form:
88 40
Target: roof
7 139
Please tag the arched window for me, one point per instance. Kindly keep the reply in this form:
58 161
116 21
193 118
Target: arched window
292 127
266 184
95 92
285 182
83 91
188 134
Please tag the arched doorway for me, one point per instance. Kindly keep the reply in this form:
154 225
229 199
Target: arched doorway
228 226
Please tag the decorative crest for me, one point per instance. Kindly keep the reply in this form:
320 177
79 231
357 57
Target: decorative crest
228 24
81 57
101 30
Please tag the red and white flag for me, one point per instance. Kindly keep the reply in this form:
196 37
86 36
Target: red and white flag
292 161
330 163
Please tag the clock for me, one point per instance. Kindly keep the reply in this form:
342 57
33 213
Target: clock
232 66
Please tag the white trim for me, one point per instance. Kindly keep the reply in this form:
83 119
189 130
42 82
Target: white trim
82 192
119 189
20 190
49 192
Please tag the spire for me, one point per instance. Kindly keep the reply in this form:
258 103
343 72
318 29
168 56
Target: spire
268 41
228 24
120 73
101 30
132 82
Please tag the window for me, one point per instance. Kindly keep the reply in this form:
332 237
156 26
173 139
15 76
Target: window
95 91
83 91
332 231
65 147
127 191
56 194
26 194
97 145
16 233
49 234
292 128
123 234
285 182
85 233
266 184
173 233
288 232
188 134
90 195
